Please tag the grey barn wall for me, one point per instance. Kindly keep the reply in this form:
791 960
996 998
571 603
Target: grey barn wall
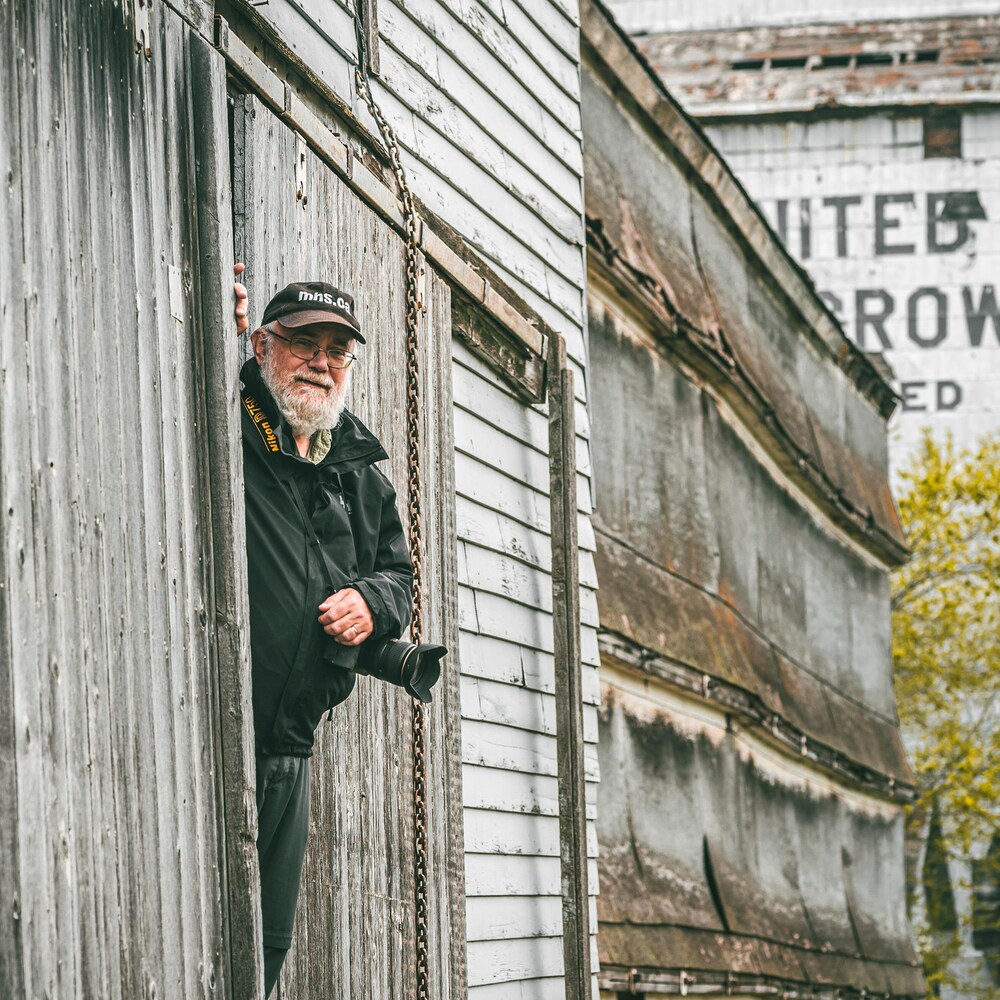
121 504
522 213
796 862
484 98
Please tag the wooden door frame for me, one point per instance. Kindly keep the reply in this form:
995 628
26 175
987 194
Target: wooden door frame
223 497
446 884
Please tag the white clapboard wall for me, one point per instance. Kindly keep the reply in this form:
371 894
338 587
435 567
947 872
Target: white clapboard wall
484 96
679 15
508 707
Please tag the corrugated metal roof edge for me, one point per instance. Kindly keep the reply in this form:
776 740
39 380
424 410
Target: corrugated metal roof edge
752 710
609 44
885 541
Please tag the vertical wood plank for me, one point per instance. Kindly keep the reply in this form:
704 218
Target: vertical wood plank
368 12
43 806
12 978
95 143
235 778
568 678
446 840
110 746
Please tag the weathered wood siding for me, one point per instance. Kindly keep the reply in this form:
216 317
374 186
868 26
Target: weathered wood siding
484 97
355 926
112 871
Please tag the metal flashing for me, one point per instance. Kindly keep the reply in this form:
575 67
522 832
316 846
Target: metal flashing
707 355
749 710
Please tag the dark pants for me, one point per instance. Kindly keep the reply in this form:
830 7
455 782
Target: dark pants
282 829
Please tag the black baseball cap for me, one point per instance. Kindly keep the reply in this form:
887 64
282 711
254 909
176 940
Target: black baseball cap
304 302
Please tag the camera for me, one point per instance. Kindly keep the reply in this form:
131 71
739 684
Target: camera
413 666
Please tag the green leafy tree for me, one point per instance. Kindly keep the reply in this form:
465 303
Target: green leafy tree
946 653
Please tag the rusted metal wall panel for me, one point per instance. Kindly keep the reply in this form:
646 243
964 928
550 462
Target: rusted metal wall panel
880 176
354 930
703 557
669 239
765 340
716 857
710 281
113 874
733 860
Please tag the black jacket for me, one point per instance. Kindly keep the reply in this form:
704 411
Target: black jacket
312 530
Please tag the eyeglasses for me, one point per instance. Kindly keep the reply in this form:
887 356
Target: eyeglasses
306 350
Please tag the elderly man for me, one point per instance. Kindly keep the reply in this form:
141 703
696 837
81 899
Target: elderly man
328 562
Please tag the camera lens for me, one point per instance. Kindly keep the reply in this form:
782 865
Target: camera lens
406 664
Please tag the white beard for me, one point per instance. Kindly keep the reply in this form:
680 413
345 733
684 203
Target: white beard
306 409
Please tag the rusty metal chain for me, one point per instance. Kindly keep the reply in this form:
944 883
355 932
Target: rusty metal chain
413 309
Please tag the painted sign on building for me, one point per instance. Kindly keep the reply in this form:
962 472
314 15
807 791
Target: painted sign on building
904 249
873 149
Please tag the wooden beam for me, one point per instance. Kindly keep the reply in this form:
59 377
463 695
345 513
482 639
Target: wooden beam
368 30
568 675
226 557
519 367
446 881
13 483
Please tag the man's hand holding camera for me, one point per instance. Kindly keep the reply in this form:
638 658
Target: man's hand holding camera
346 617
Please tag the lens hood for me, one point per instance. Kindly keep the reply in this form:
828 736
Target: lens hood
416 667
